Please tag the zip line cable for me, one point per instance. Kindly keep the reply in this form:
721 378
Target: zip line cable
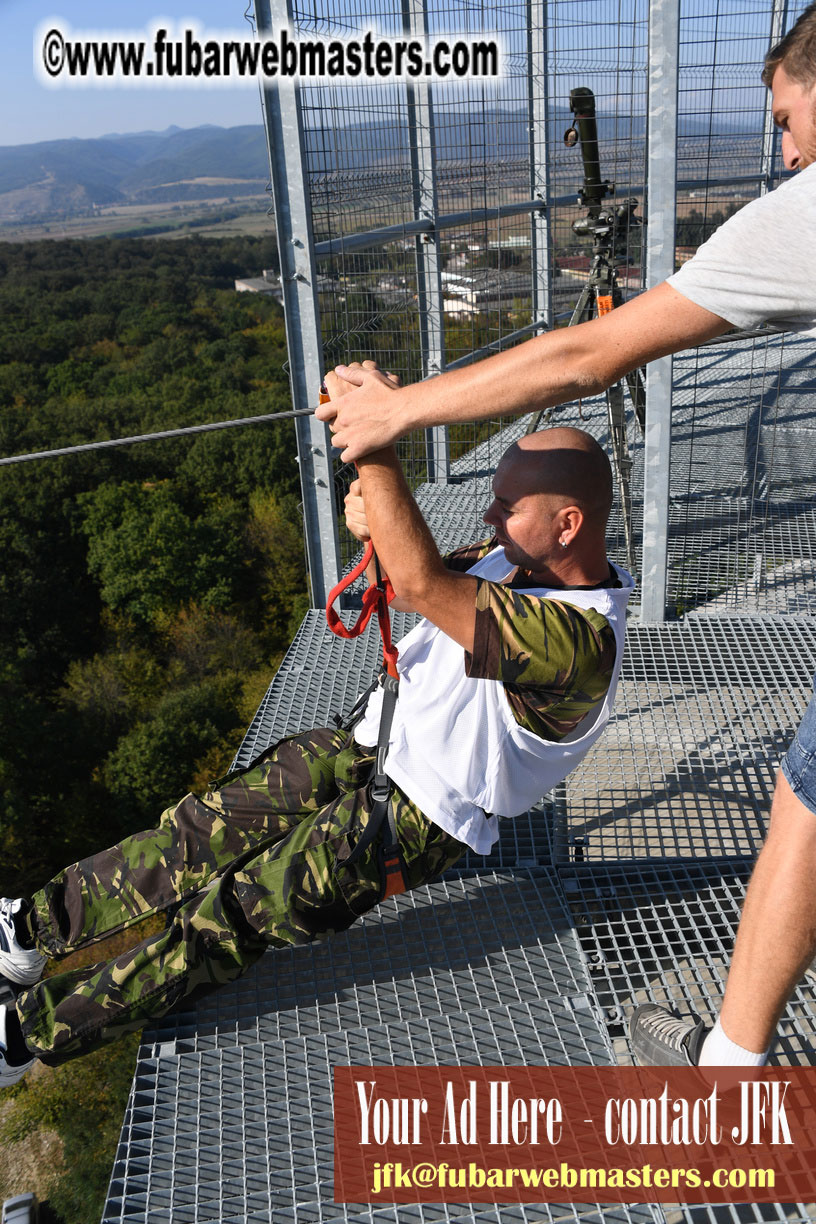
272 416
165 433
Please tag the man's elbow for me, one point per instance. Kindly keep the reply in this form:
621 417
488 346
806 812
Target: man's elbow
601 362
593 377
419 584
410 589
589 362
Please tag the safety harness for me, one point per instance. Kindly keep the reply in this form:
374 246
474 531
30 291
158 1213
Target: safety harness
375 598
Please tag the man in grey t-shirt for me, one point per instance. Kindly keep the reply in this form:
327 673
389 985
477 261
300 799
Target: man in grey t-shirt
760 267
710 294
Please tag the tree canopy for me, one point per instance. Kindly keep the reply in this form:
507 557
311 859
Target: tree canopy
146 592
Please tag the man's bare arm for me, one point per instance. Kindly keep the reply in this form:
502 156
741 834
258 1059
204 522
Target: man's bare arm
408 554
357 523
381 507
562 365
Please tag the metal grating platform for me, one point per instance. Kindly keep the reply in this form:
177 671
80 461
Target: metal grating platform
754 558
255 1122
465 943
664 934
624 885
775 653
686 767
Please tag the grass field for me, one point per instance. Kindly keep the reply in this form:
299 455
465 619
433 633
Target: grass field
213 218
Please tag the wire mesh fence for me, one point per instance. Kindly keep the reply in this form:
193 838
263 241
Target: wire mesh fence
474 159
433 246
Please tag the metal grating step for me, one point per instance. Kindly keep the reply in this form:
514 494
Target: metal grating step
320 675
461 944
733 650
687 765
665 934
230 1132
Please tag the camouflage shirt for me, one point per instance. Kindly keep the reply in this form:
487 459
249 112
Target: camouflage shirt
554 659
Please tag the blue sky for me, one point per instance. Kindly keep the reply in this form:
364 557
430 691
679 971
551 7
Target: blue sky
32 112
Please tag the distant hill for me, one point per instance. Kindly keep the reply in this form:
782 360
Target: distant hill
68 177
60 178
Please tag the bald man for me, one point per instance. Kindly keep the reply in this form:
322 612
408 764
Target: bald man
505 684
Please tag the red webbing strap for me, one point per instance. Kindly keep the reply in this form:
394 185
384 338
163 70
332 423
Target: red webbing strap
375 599
394 877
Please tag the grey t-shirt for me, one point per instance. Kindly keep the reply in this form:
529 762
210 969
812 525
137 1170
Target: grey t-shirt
760 266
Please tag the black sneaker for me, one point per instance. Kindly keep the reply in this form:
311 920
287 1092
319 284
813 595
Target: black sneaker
661 1039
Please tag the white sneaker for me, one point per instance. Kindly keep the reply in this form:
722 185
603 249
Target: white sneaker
23 966
9 1074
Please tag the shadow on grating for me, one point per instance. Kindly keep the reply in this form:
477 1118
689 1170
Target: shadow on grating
686 768
742 527
736 557
664 934
777 653
462 944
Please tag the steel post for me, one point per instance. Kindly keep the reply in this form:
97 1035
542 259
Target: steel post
428 262
287 167
661 209
538 120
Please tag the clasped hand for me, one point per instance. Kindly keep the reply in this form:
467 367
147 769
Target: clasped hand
359 415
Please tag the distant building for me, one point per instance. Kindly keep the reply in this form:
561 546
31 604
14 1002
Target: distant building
511 242
483 287
267 282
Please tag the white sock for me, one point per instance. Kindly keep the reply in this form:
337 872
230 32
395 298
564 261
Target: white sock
720 1051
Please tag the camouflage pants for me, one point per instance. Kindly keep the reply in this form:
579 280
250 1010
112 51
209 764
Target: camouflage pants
258 863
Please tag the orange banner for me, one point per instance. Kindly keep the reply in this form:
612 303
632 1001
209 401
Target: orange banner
574 1134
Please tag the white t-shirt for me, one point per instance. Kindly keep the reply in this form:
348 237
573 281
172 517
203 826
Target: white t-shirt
760 265
456 749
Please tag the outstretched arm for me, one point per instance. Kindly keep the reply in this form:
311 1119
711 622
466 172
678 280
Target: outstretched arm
566 364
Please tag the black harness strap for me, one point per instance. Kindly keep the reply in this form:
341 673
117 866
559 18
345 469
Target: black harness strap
392 863
377 597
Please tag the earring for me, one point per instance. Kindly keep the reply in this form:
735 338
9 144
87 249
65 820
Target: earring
563 543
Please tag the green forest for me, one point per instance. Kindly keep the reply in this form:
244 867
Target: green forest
146 592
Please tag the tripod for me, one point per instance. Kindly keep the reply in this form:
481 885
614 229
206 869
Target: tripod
609 226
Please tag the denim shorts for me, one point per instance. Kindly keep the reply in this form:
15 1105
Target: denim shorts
799 763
